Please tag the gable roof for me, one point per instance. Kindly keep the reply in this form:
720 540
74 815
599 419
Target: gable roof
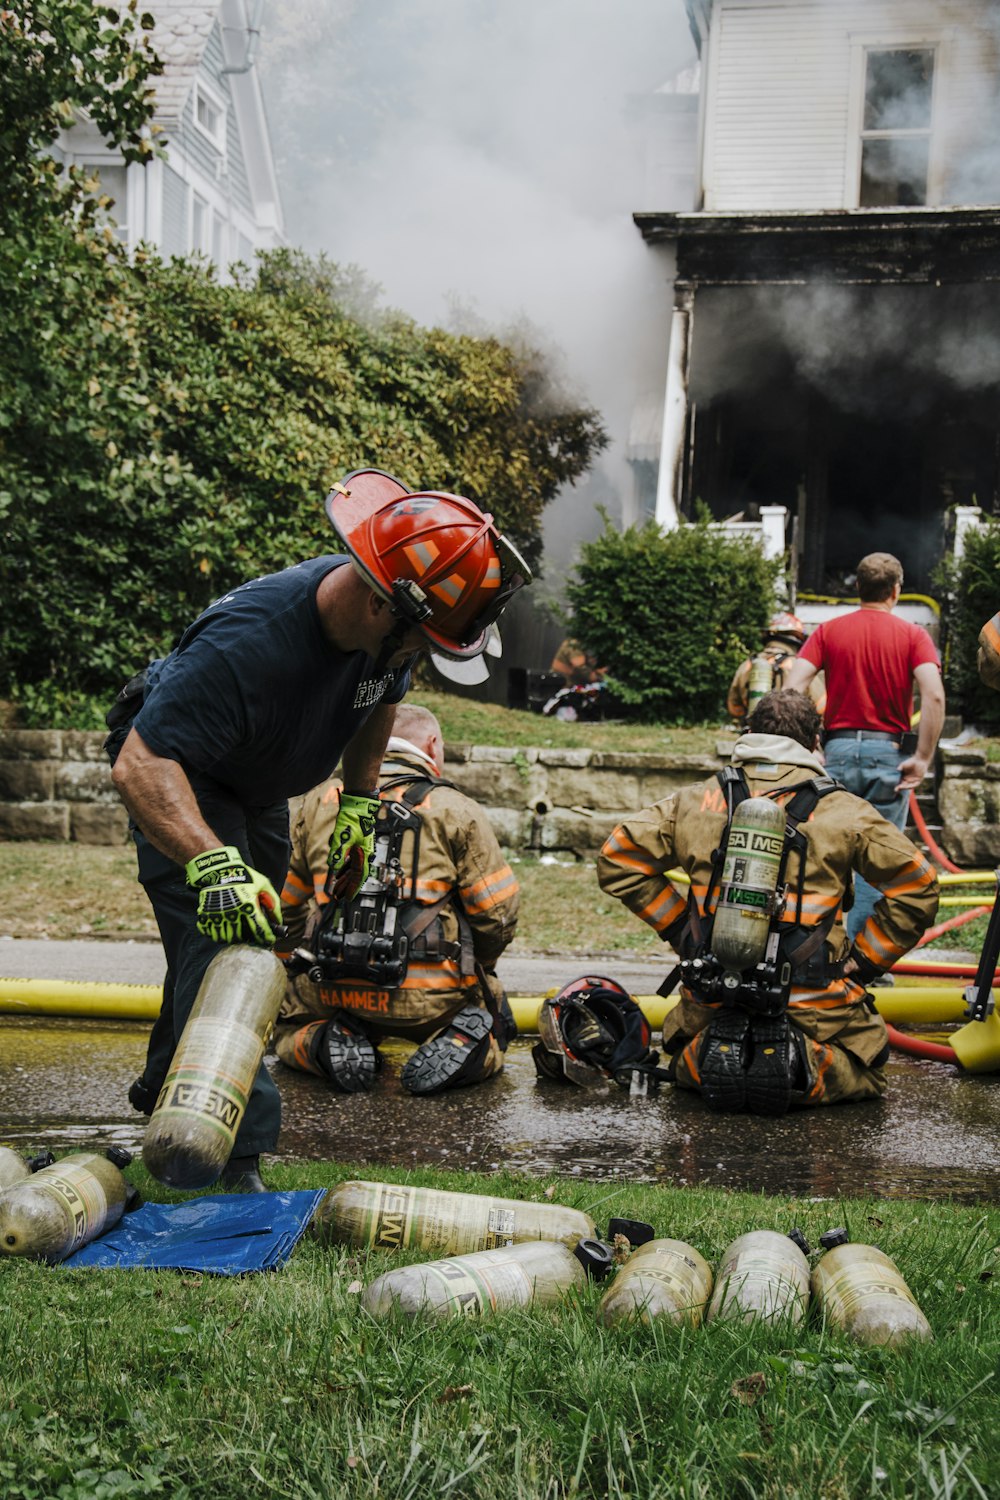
180 36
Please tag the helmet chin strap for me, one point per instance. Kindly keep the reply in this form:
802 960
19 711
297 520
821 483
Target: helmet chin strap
391 644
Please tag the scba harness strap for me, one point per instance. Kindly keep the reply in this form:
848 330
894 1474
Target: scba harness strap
795 950
374 935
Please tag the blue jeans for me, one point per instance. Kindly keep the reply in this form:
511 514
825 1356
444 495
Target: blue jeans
869 769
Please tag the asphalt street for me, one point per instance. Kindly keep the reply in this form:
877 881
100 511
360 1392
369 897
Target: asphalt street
101 962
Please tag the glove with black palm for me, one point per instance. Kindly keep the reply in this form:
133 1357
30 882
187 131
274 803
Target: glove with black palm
235 903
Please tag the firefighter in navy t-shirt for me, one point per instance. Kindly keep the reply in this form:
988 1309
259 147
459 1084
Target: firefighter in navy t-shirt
271 687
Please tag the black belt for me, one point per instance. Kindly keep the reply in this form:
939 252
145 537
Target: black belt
861 734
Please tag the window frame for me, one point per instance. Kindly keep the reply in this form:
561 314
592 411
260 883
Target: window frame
934 41
215 101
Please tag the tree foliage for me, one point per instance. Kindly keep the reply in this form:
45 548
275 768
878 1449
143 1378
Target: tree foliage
971 588
164 436
671 614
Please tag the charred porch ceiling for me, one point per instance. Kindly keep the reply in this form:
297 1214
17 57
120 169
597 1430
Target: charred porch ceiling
842 363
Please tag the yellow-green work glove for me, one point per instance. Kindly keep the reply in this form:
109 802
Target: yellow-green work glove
235 904
352 844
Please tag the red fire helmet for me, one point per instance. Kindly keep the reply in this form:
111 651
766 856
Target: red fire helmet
437 559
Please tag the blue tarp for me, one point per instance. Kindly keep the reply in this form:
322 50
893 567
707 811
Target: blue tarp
226 1234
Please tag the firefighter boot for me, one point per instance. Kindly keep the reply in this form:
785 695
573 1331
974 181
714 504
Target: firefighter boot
772 1061
241 1174
453 1057
347 1057
723 1059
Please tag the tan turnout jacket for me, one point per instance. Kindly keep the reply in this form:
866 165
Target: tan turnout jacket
459 856
844 834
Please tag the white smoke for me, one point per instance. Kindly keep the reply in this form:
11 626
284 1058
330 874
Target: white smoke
482 161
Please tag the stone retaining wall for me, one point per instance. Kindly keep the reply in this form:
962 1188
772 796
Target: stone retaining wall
969 806
56 784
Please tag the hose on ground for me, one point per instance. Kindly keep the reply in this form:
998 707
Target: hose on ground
917 1047
935 851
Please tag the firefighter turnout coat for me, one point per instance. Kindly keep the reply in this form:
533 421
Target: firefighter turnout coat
845 1039
459 858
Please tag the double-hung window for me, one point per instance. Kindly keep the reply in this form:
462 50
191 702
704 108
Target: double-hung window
896 126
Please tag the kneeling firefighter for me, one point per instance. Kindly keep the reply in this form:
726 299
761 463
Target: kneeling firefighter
412 953
773 1010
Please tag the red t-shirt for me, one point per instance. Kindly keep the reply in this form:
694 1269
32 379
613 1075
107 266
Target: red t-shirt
869 657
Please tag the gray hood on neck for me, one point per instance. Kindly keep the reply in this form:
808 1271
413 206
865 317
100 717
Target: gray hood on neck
775 750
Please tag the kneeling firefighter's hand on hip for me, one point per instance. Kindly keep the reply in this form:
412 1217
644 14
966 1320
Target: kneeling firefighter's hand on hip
352 844
235 903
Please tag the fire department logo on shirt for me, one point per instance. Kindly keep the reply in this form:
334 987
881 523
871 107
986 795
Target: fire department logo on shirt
371 690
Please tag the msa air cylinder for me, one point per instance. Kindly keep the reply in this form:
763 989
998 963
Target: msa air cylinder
750 873
860 1290
762 1275
385 1216
193 1127
760 681
63 1207
14 1168
534 1273
662 1279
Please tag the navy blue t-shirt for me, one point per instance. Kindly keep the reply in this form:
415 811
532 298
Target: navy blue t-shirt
255 698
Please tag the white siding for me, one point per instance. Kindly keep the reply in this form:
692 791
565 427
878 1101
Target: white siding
784 81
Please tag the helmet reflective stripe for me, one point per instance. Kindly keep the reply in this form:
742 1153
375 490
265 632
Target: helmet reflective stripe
450 589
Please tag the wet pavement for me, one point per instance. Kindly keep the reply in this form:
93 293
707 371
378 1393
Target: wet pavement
936 1134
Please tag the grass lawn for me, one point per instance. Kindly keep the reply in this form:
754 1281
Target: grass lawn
131 1383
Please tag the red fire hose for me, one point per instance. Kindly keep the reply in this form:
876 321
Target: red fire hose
935 851
917 1047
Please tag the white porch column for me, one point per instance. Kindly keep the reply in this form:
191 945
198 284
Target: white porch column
675 407
967 518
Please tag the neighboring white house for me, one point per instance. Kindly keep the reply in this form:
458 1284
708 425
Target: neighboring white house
835 334
216 192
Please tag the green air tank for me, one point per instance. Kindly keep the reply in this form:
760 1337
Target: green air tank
389 1216
763 1275
534 1273
750 873
192 1130
665 1279
63 1207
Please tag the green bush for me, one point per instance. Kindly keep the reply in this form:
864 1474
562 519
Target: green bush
971 588
671 614
164 437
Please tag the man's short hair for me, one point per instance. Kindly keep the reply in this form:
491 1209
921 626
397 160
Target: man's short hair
411 722
878 574
786 712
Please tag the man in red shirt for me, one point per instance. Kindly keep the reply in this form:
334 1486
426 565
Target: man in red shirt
872 661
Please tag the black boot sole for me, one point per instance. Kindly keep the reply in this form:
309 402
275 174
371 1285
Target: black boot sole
722 1062
437 1064
348 1059
769 1076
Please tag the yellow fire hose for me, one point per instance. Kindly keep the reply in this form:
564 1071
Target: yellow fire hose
918 1005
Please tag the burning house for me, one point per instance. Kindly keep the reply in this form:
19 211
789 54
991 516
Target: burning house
835 335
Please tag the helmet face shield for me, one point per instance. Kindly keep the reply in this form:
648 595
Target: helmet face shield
437 559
